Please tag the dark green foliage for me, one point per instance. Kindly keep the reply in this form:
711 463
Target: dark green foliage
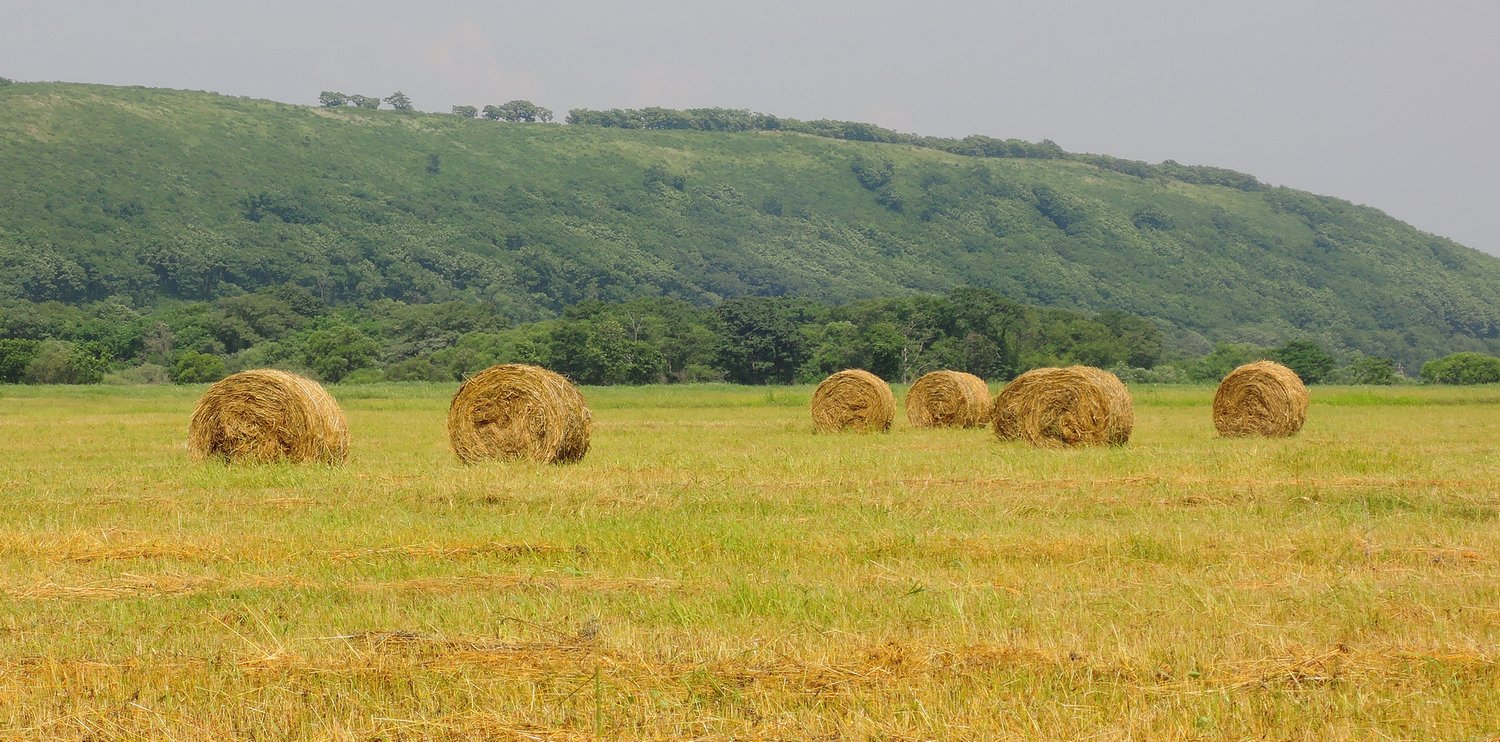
889 198
399 101
417 369
331 99
1373 370
1225 358
749 340
873 174
1307 358
58 362
367 102
1063 210
518 111
1462 368
467 112
760 341
15 355
48 276
290 209
1152 217
657 176
604 352
337 348
695 119
197 368
434 164
1135 341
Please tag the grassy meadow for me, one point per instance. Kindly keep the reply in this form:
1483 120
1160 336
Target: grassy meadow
712 570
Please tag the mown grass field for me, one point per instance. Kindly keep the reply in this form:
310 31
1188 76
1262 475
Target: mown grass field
714 570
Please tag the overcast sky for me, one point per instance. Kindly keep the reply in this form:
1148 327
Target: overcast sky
1391 104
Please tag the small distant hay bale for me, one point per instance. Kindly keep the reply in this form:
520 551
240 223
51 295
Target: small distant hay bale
1056 407
515 411
266 415
853 400
948 399
1262 398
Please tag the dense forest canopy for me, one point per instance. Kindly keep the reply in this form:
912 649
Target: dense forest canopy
749 340
151 202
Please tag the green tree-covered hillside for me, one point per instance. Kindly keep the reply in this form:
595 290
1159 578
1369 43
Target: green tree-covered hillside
148 195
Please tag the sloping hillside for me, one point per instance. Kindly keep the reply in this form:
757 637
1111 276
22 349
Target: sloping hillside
149 194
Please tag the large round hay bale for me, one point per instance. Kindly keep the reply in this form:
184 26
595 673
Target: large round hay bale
1261 398
948 399
266 415
853 400
1073 406
516 411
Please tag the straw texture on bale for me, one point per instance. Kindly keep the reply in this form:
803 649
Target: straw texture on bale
853 400
948 399
1261 398
267 415
516 411
1073 406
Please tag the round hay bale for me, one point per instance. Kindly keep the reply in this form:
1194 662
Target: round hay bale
948 399
266 415
1261 398
1073 406
853 400
516 411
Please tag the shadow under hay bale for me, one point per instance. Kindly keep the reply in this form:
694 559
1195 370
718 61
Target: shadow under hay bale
1073 406
948 399
853 400
1260 399
266 415
516 411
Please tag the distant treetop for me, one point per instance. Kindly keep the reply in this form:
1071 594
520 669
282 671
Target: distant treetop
334 99
399 101
518 111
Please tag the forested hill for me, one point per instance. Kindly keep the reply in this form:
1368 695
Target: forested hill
153 195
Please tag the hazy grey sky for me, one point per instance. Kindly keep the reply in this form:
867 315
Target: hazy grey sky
1391 104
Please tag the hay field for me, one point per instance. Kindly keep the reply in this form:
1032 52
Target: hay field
712 569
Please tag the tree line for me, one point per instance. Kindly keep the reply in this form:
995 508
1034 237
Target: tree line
740 120
976 145
756 340
520 111
334 99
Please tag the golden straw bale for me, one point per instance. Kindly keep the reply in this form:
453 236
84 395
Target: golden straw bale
516 411
853 400
267 415
1073 406
951 399
1261 398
